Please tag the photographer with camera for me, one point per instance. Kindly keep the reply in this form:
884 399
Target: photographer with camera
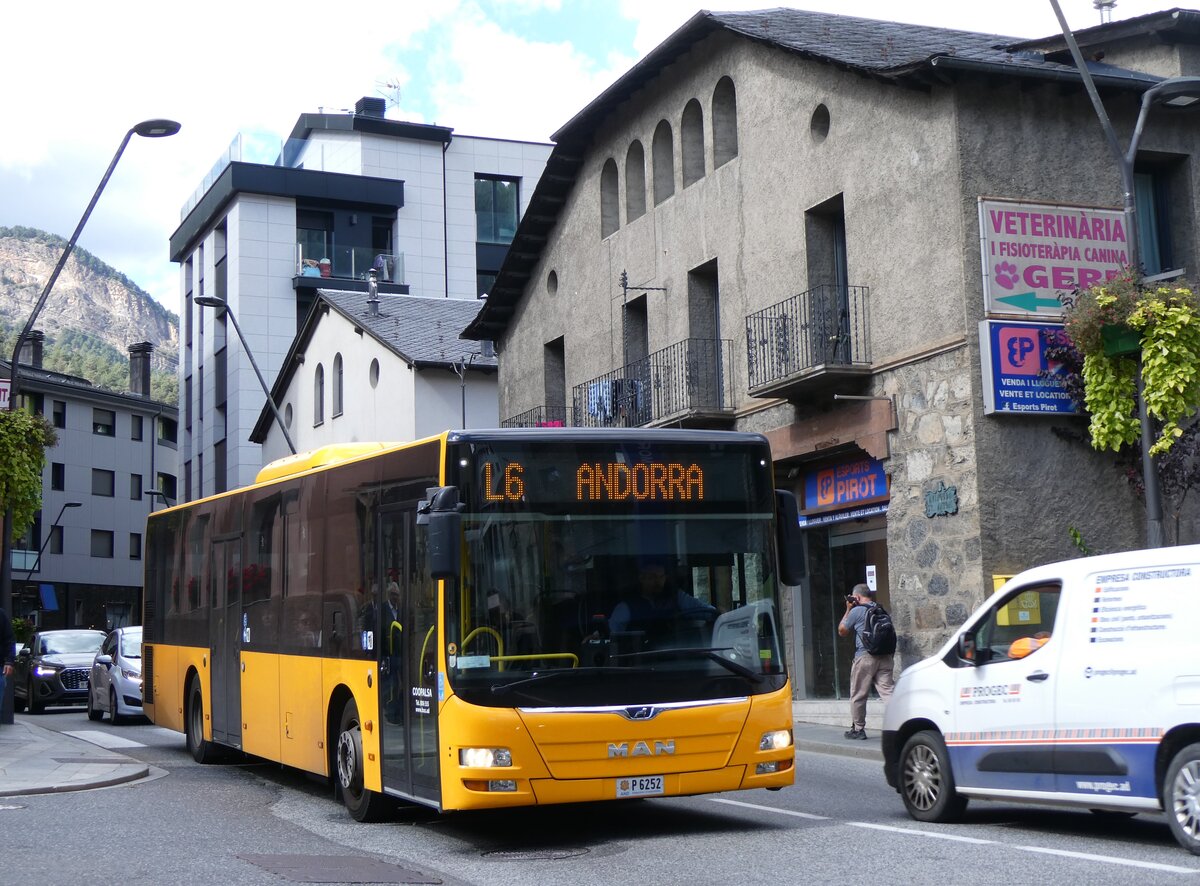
869 668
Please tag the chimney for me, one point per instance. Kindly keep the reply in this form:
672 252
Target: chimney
373 292
369 106
31 349
139 368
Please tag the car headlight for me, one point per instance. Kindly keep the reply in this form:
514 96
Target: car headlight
485 758
775 740
135 676
45 670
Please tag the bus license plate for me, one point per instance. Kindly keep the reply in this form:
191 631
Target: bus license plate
640 786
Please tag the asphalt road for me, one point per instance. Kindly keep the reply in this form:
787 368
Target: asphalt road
238 823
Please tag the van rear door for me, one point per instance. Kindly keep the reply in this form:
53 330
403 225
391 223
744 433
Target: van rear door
1004 700
1130 637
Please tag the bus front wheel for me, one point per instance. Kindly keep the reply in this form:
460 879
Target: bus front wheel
202 751
361 803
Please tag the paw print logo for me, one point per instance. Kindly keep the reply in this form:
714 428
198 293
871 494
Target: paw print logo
1006 275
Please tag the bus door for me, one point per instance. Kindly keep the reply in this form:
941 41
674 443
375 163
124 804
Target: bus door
407 660
225 641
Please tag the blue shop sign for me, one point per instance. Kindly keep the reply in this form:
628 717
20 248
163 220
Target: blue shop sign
844 485
1017 377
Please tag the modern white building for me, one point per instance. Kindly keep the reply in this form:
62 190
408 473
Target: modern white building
434 212
387 369
80 563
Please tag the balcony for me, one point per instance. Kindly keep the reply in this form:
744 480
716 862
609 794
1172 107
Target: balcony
686 384
348 263
808 342
542 417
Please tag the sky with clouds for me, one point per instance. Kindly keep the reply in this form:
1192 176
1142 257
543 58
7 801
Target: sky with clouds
79 74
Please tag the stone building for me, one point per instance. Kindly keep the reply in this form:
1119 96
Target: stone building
775 222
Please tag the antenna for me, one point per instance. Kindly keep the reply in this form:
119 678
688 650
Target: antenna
391 87
1105 8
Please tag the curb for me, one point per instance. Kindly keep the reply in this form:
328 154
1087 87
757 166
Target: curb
856 749
142 771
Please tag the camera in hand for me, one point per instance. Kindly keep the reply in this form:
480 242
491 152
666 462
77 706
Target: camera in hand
850 598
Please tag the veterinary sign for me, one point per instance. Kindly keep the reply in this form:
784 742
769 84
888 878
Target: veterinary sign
1032 252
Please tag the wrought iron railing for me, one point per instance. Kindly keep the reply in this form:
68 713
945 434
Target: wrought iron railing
687 377
542 417
825 326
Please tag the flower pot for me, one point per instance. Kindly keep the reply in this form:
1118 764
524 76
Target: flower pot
1120 340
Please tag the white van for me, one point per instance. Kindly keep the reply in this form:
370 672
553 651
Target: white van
1076 683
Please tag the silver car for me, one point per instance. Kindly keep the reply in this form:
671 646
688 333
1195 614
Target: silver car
116 681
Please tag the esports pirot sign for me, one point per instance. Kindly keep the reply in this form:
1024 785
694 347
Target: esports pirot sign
1031 252
1017 377
846 484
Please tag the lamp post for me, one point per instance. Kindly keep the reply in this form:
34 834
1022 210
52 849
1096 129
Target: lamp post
146 129
1175 92
38 560
211 301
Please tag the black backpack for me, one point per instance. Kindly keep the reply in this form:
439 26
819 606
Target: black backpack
878 633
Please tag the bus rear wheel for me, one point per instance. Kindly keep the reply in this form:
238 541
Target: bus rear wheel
361 803
202 751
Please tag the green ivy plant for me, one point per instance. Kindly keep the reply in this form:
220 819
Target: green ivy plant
1167 322
23 441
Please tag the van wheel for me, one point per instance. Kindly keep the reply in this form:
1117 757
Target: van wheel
202 751
1181 797
926 782
361 803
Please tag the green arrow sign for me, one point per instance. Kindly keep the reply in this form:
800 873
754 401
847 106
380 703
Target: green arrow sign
1029 301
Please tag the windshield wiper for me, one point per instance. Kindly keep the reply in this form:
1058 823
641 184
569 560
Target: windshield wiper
712 653
547 677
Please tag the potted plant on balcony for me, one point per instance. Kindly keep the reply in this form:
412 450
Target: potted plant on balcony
1115 322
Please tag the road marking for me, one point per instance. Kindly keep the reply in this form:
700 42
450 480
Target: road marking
769 809
915 832
1110 859
104 739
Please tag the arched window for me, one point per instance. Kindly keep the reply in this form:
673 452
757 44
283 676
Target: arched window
664 162
635 182
691 142
319 395
337 385
610 209
724 122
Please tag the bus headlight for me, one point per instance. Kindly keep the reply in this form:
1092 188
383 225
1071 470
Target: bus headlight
776 740
484 758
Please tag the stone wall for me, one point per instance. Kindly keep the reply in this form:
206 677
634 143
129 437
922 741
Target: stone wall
934 561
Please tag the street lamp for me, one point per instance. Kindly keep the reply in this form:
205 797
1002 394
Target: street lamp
1175 92
211 301
38 561
146 129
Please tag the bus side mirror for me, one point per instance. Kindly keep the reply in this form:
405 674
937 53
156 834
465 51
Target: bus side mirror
789 541
441 515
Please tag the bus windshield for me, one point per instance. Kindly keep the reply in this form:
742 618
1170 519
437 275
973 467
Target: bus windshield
601 573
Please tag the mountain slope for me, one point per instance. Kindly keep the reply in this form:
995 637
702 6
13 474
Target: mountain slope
92 316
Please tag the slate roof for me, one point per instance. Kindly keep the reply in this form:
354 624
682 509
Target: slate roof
423 332
906 55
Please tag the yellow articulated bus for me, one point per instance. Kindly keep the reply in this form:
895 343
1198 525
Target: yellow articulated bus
485 618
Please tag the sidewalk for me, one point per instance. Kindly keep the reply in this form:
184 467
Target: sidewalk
824 739
35 760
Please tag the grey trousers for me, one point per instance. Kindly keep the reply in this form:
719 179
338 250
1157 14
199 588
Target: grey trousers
869 669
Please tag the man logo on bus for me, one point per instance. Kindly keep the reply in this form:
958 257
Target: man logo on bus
642 749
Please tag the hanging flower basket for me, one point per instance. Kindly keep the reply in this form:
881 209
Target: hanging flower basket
1119 320
1120 340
